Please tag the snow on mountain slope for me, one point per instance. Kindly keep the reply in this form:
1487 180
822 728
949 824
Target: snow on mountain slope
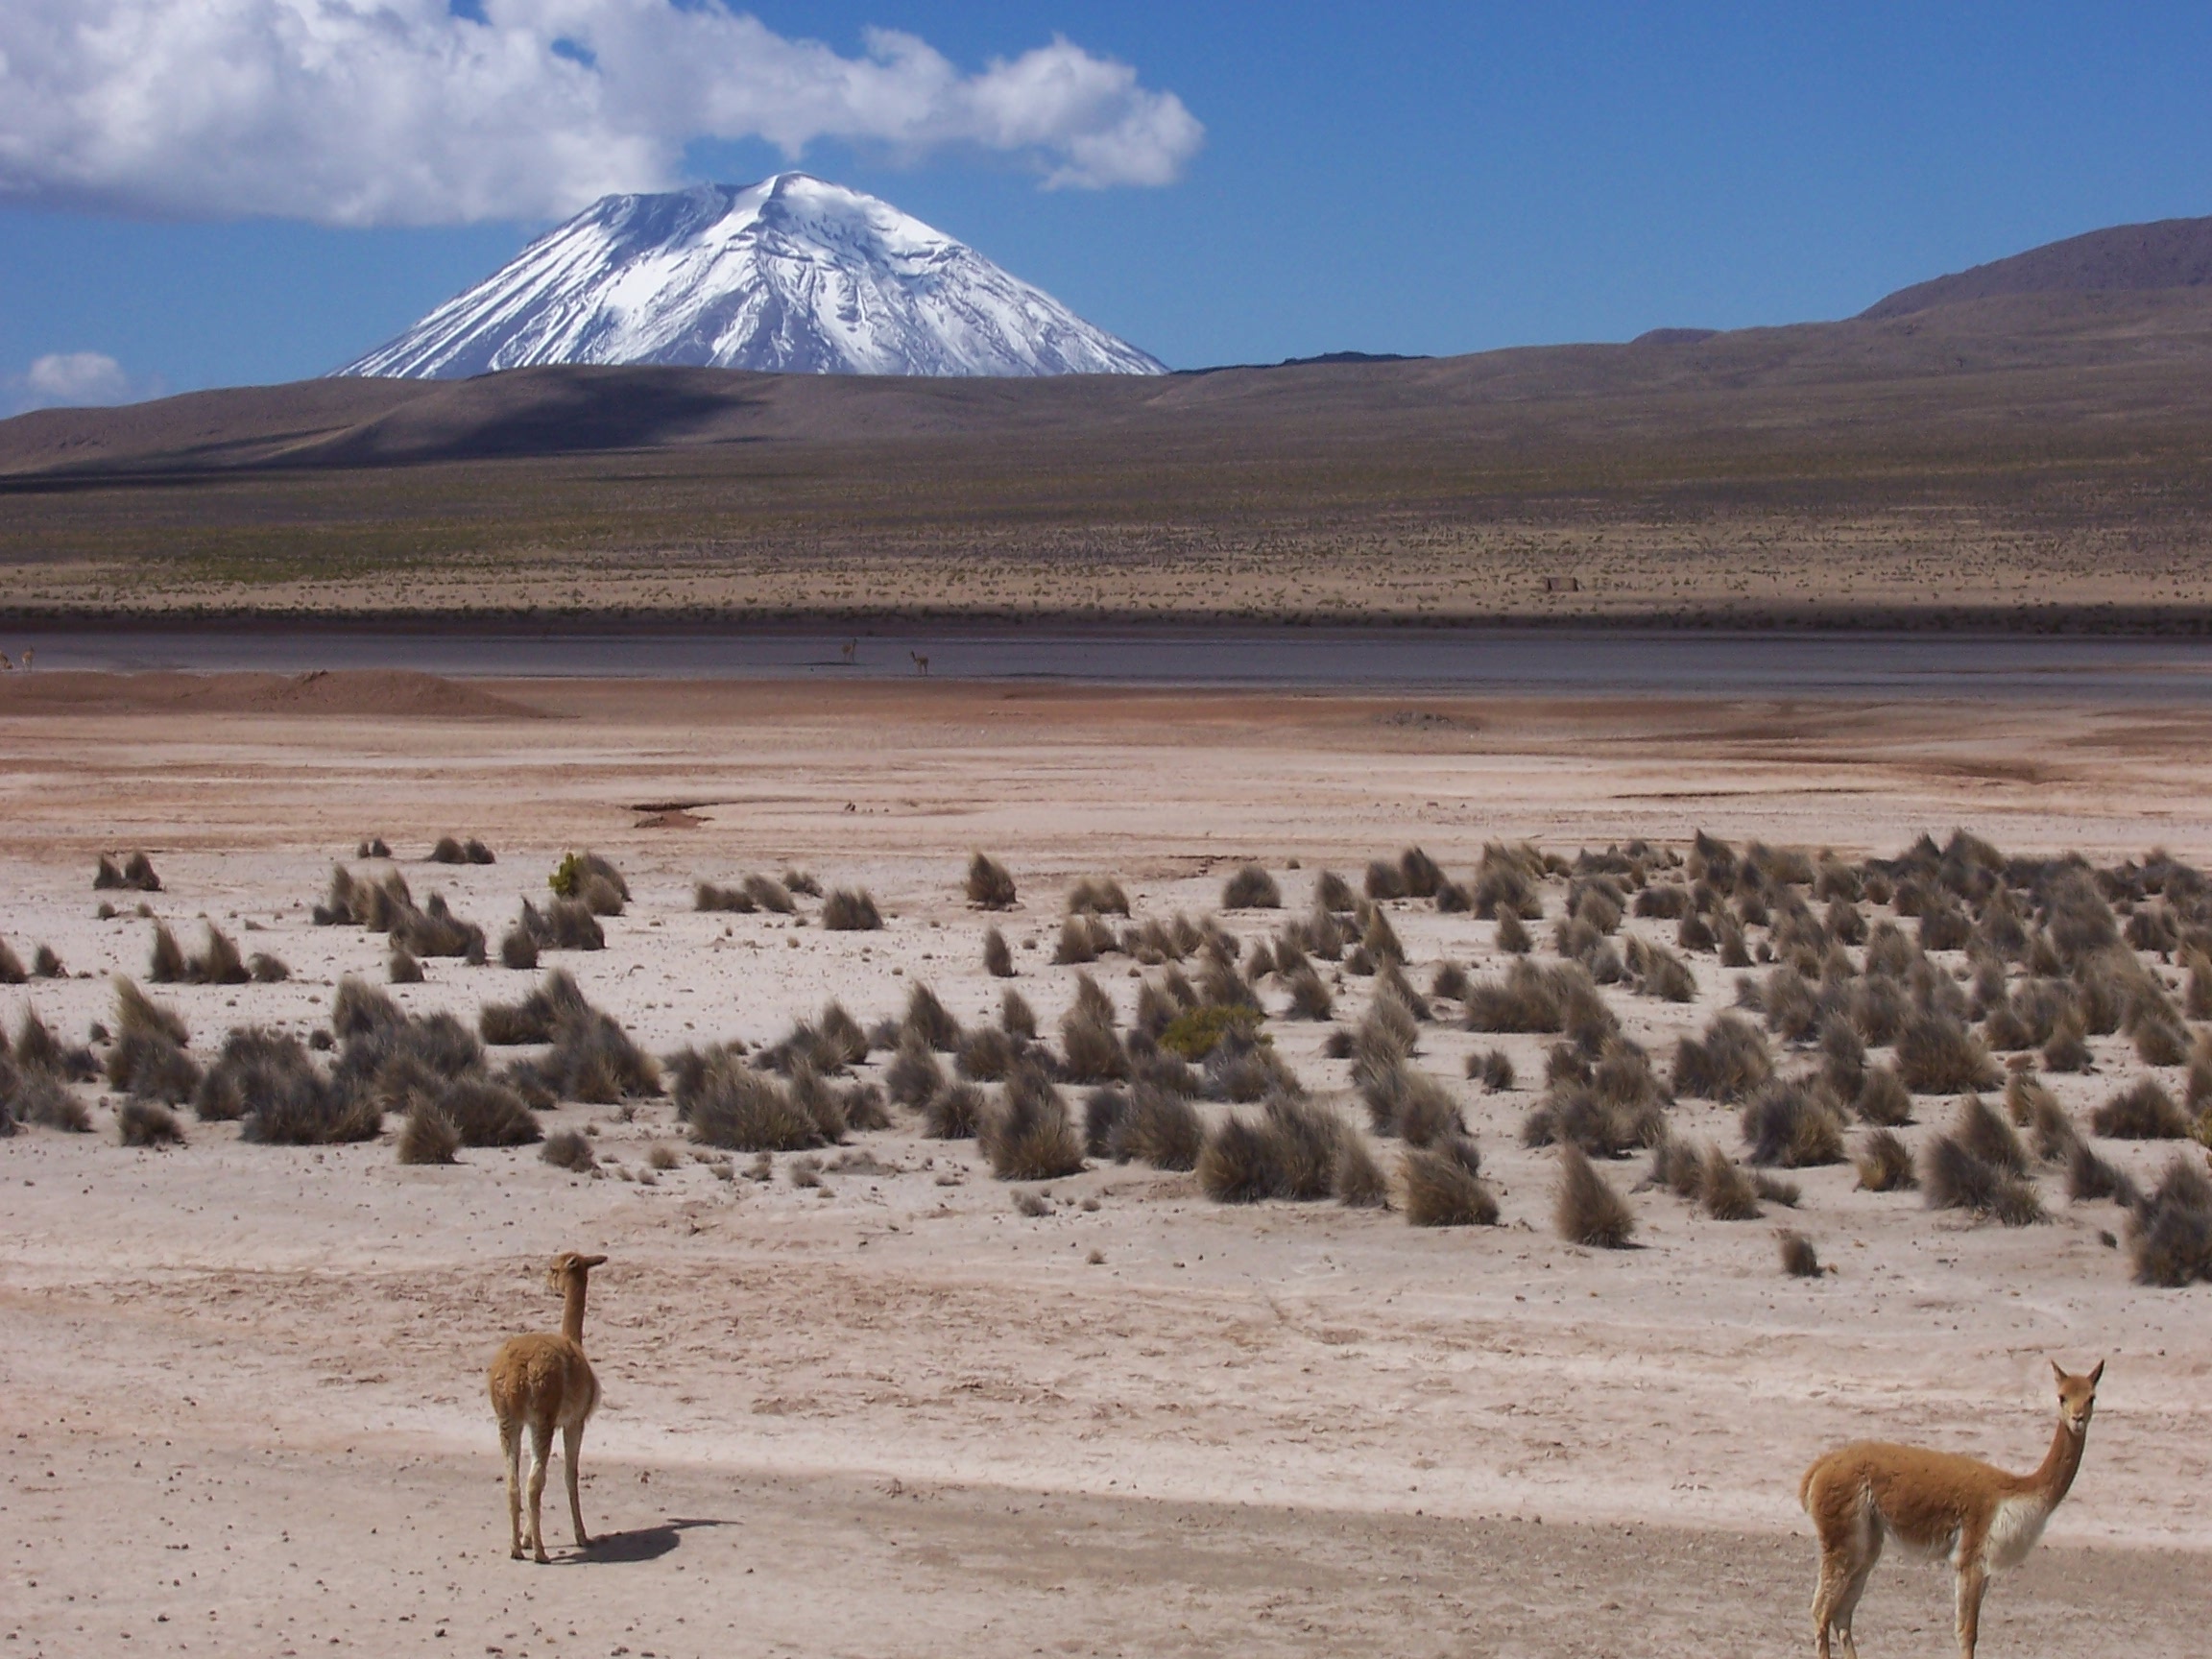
790 275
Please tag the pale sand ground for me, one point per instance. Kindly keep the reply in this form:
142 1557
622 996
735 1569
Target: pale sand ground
245 1407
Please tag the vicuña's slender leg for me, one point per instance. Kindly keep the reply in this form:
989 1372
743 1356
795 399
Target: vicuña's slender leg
511 1450
571 1441
1834 1575
1972 1581
541 1455
1848 1603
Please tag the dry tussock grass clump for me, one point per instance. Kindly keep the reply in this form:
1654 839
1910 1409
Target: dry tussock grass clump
1382 881
1444 1187
2089 1177
1090 1049
986 1054
146 1123
267 1080
537 1018
1332 895
1082 939
1799 1259
1419 875
1310 995
1103 1109
1792 1123
1885 1164
1031 1136
1954 1178
2142 1111
997 955
569 1149
1508 882
2169 1234
135 876
1938 1055
575 873
955 1112
166 963
1575 1111
2035 1109
34 1094
1585 1209
1529 999
851 910
770 895
1097 896
1726 1190
711 896
1379 941
1728 1064
448 850
1985 1134
990 886
1883 1099
1016 1018
1359 1183
592 1060
563 924
403 968
2067 1049
724 1103
1159 1127
1679 1169
427 1134
1659 973
1411 1105
1251 888
1291 1150
927 1018
483 1113
148 1059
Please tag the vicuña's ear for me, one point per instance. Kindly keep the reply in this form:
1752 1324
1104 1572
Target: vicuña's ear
2097 1374
2058 1371
590 1260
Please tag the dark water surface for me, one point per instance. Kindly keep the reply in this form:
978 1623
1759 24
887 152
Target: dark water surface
1563 662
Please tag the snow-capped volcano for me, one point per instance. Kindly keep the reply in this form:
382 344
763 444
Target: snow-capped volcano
791 274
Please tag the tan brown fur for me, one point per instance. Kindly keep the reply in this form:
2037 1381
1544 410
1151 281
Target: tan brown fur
1938 1505
538 1383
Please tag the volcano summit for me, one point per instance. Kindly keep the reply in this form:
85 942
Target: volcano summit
791 274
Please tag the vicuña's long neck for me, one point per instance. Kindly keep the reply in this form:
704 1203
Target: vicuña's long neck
572 1318
2061 1464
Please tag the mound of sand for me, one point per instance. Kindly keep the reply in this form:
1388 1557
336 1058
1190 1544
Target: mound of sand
395 694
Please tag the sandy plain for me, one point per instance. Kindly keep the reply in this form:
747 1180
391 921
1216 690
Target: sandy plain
894 1414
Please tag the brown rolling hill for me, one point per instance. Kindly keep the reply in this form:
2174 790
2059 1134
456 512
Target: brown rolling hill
2123 258
1964 360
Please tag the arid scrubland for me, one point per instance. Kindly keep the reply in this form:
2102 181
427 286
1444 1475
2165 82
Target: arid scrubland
1366 1139
2028 462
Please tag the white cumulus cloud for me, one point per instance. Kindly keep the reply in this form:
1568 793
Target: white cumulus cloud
71 379
399 112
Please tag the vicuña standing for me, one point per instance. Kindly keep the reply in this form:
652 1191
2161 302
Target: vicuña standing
1937 1505
542 1382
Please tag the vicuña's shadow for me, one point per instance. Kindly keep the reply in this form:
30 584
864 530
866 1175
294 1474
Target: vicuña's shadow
639 1543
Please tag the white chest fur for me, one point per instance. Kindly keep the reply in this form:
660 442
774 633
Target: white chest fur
2014 1531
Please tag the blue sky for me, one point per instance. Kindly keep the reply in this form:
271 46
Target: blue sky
1411 178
